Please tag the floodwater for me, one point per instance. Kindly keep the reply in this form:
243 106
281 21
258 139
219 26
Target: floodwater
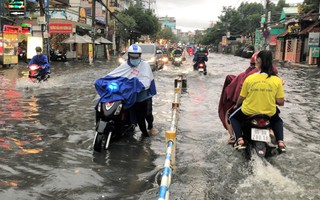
46 134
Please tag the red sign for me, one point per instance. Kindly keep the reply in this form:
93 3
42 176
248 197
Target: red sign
60 28
273 40
11 29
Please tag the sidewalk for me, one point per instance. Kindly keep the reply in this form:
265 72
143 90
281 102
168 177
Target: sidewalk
101 61
291 65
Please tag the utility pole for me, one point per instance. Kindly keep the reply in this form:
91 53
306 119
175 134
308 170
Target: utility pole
266 31
44 5
93 28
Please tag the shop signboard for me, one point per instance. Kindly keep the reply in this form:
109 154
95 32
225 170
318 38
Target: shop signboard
313 39
315 52
26 28
60 28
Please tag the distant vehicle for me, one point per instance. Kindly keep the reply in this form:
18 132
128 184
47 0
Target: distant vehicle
56 55
150 53
247 52
239 51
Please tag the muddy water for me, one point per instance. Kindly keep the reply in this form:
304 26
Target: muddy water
46 133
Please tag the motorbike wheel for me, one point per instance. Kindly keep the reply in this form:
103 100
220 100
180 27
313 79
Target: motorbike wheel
98 141
64 58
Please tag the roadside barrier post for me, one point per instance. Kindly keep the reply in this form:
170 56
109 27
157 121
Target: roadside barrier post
170 161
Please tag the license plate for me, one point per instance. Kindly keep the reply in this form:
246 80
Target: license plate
200 69
260 135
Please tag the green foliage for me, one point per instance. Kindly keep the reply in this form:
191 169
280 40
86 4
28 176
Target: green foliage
146 22
309 5
123 29
166 33
241 21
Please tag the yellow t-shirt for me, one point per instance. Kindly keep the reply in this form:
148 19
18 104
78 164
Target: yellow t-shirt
260 94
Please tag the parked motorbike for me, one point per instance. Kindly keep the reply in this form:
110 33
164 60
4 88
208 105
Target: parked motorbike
259 137
22 55
112 122
56 55
36 74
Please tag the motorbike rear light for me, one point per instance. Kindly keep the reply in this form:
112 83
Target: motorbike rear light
260 122
201 65
118 110
108 105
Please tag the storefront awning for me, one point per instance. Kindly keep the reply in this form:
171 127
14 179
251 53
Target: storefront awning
311 28
283 34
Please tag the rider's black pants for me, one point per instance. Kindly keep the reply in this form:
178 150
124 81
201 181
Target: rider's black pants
143 112
237 117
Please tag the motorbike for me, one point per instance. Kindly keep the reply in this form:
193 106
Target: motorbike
22 55
177 60
56 55
259 137
112 122
35 74
201 66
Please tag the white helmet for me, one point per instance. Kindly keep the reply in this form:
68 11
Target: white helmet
134 49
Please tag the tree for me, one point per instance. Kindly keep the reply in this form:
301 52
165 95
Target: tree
146 22
166 33
238 22
124 29
309 5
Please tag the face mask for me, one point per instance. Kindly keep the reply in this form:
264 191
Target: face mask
38 53
135 62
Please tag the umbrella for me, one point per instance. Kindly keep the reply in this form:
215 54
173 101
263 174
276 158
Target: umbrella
87 37
103 40
76 39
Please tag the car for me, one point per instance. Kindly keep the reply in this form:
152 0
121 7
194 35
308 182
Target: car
150 53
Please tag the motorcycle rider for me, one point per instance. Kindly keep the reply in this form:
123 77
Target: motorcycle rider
41 60
200 56
260 94
141 108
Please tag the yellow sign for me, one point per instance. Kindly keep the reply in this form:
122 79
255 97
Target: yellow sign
224 40
10 59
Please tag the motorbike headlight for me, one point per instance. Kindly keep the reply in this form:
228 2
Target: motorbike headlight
33 67
118 110
177 59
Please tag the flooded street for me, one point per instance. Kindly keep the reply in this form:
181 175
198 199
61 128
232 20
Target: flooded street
46 134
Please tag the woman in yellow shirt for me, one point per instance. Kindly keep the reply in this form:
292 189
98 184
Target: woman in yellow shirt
260 94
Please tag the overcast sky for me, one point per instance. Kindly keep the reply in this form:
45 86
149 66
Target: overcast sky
197 14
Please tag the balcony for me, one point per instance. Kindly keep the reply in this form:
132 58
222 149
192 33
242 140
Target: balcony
59 3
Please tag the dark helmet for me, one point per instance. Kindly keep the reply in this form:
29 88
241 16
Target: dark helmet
38 49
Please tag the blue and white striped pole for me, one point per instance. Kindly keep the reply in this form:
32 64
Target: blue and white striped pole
166 175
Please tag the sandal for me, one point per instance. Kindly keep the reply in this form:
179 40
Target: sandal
281 146
240 144
231 140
